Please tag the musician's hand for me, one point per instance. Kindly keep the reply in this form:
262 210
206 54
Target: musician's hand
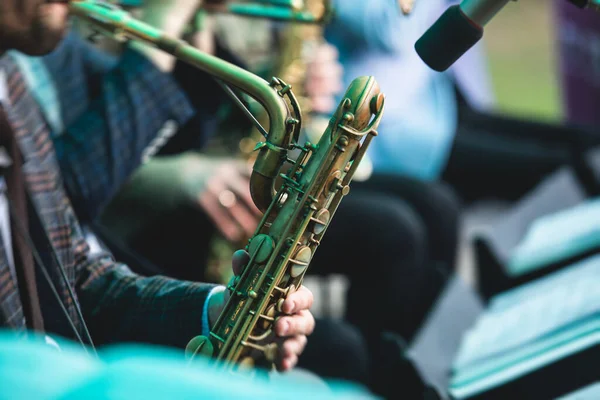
406 6
171 16
221 187
324 78
291 329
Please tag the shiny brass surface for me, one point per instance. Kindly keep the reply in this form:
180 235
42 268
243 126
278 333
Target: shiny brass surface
296 215
297 42
281 10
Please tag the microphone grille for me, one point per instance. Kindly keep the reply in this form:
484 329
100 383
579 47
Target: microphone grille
448 39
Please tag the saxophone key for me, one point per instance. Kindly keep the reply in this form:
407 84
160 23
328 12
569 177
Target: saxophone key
345 189
286 291
260 248
246 364
320 221
282 200
283 291
348 117
300 261
268 317
263 336
279 305
252 345
200 345
270 351
337 185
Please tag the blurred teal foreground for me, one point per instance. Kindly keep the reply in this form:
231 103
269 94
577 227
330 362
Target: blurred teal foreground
31 369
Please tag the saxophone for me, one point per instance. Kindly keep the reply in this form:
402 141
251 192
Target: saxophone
291 230
296 215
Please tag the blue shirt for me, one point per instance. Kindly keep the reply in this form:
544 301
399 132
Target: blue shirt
420 119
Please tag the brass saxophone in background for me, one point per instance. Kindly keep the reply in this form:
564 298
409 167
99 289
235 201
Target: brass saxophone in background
296 215
301 35
297 41
279 10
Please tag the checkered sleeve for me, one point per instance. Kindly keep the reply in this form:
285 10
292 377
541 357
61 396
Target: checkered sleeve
105 144
120 306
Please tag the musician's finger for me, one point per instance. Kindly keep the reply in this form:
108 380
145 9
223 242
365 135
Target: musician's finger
245 168
323 87
406 6
234 219
288 363
329 71
240 184
326 53
301 323
293 346
301 299
243 217
210 204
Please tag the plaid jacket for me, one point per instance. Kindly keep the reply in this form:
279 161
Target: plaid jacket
117 304
104 113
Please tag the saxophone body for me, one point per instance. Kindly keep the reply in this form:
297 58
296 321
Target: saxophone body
291 230
298 205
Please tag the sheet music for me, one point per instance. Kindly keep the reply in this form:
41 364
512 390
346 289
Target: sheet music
557 237
537 310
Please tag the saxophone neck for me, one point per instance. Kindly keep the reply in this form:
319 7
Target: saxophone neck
118 24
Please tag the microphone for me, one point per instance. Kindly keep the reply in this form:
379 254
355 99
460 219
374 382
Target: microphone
461 26
456 31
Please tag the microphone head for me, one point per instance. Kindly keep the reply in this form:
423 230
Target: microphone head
448 39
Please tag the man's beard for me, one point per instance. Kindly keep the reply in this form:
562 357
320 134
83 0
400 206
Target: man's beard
41 38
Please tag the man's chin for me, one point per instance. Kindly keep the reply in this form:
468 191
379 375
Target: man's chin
50 28
43 40
42 47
